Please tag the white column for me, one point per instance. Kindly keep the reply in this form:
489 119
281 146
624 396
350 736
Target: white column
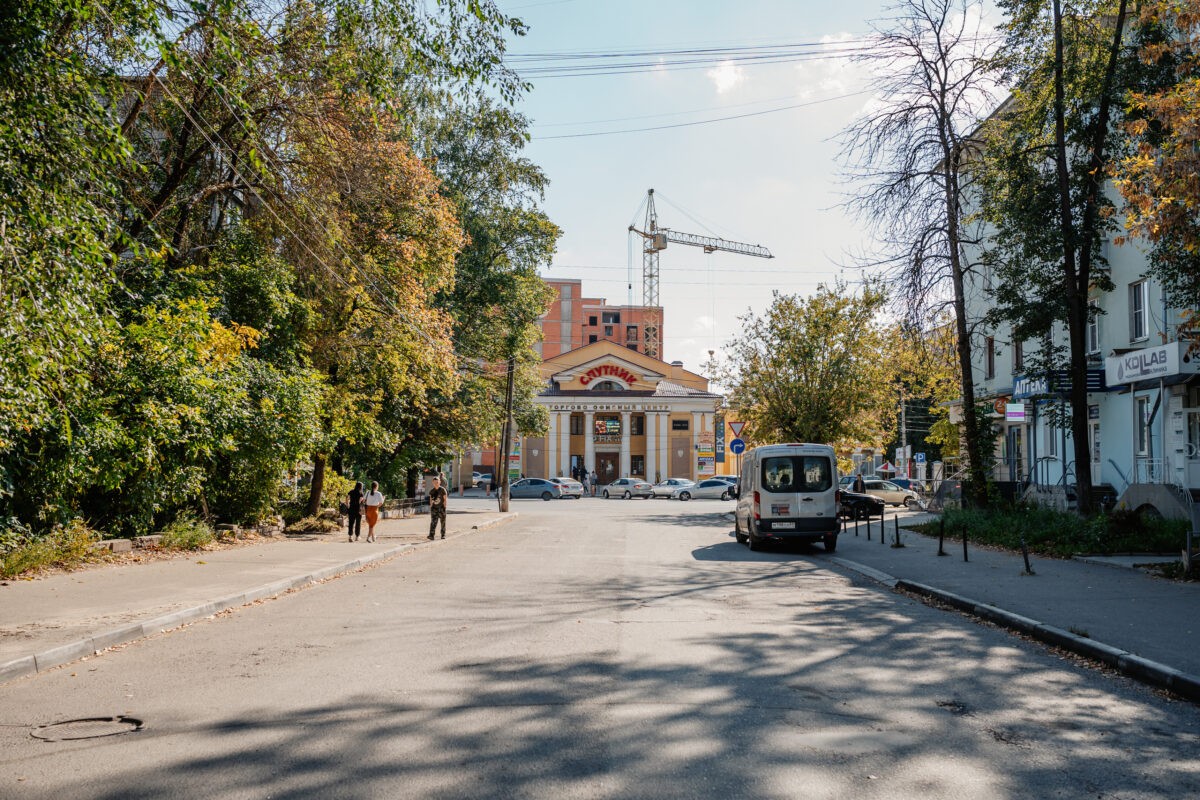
552 444
697 416
564 450
651 431
625 460
589 441
662 423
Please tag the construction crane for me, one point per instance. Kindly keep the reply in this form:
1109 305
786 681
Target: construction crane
654 241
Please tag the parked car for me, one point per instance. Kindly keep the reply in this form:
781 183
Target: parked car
483 479
710 489
890 493
667 487
569 486
859 506
535 487
627 488
909 483
726 478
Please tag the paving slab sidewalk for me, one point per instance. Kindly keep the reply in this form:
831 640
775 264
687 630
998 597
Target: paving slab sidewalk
52 620
1123 616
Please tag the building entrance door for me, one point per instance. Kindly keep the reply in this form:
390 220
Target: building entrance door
1193 445
607 465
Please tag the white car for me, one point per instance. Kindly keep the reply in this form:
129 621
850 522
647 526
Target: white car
570 487
666 488
627 488
710 489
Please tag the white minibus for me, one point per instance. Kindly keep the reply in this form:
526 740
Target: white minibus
788 492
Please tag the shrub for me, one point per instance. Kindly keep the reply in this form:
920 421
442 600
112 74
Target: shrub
186 533
1063 534
65 546
313 525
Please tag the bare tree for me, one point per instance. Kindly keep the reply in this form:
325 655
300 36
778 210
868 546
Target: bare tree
906 156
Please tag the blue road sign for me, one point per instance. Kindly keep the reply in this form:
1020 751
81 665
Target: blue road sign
737 447
919 458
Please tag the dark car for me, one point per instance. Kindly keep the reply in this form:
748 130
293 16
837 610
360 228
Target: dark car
859 506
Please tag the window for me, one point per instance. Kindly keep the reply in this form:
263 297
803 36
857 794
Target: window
608 330
1093 328
612 317
576 425
607 386
592 321
1138 329
631 333
797 474
632 347
637 425
637 465
1018 349
591 338
1051 440
989 357
679 424
1141 423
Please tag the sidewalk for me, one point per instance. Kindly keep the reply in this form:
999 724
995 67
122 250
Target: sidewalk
53 620
1147 627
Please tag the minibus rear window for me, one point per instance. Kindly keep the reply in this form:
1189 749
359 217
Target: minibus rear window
797 474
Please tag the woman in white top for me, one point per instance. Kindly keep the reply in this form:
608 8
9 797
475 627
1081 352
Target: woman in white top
373 501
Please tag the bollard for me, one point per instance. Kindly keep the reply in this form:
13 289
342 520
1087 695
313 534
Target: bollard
896 519
883 525
1025 553
942 538
868 526
964 532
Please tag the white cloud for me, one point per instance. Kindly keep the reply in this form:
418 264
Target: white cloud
726 76
703 324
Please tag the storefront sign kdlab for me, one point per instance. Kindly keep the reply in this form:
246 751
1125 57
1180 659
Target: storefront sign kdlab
1164 361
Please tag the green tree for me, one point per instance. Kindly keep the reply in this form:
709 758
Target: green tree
817 369
1046 156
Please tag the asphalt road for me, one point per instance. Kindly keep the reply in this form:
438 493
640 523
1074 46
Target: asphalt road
597 649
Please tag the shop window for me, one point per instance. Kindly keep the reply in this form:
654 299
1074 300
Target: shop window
637 465
637 425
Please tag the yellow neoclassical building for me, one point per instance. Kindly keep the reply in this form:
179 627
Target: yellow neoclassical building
619 412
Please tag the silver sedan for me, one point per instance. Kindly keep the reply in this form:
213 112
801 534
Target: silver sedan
667 488
535 487
711 489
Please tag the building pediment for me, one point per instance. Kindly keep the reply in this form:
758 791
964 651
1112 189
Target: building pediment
607 368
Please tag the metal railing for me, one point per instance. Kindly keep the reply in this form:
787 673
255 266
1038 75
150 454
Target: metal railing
1149 470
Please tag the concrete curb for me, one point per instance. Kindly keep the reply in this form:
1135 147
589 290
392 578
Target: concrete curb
1134 666
93 645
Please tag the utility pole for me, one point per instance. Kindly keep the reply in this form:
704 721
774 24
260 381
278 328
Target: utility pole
904 431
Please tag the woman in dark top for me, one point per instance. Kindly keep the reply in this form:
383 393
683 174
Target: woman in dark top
354 500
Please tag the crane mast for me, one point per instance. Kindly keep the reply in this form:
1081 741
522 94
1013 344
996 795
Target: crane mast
654 241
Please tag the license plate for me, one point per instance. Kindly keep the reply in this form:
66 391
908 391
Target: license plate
783 526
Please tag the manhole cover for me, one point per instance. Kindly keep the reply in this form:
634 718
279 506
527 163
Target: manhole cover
89 728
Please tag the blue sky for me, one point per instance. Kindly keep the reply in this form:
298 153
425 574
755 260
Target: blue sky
771 179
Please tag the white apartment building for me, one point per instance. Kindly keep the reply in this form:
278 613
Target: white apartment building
1143 407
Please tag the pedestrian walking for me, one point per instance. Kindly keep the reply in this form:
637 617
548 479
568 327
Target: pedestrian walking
374 501
593 480
584 480
354 512
860 485
437 507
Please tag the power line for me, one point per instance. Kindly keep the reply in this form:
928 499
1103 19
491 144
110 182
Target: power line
706 121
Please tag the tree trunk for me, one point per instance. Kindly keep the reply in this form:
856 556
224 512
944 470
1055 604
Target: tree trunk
506 440
318 485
